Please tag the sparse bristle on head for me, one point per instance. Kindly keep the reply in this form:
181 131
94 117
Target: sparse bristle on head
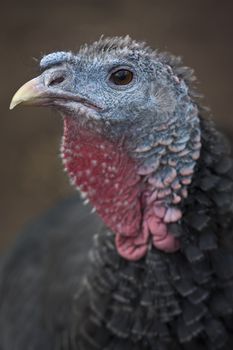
117 43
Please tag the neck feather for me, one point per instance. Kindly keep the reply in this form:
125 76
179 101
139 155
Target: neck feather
168 299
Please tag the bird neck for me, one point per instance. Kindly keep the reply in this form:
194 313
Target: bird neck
104 174
166 298
136 201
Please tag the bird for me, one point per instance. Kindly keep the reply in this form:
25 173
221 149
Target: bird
153 267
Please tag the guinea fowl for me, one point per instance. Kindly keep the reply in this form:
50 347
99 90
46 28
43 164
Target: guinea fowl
159 273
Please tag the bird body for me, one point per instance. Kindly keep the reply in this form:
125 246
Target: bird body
159 274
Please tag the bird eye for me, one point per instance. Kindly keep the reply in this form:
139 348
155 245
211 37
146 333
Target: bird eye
121 77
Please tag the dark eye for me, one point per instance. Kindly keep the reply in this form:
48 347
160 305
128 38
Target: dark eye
121 77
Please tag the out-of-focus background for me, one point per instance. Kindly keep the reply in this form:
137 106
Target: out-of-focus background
31 176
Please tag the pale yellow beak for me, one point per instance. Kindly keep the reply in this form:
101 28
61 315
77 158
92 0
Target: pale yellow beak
29 94
38 92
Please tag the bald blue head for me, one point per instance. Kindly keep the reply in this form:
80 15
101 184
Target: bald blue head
126 80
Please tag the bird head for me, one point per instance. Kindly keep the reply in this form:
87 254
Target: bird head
131 134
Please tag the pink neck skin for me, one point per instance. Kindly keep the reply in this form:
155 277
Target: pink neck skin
105 174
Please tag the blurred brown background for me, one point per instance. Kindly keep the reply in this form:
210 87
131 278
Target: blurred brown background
31 176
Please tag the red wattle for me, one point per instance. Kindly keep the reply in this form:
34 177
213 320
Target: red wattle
108 177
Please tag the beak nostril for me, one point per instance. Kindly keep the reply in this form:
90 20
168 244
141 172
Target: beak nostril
56 81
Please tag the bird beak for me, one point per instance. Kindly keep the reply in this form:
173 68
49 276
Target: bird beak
34 92
37 92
